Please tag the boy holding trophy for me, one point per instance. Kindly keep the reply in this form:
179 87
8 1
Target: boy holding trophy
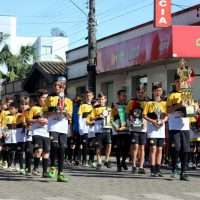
59 115
179 127
137 128
155 112
120 130
102 116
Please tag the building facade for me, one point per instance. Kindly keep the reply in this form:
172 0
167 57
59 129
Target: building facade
121 65
46 48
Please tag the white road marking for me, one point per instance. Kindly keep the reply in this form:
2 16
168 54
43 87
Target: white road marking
111 197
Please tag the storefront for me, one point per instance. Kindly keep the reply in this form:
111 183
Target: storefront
142 54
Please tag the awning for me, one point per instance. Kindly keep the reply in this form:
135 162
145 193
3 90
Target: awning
174 42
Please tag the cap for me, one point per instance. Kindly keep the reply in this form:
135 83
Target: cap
61 79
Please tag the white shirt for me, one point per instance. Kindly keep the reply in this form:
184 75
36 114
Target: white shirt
177 122
41 130
154 132
58 123
11 136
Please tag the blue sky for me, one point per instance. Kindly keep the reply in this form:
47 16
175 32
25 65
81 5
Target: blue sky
38 17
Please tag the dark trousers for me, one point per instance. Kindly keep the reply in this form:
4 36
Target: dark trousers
122 146
180 148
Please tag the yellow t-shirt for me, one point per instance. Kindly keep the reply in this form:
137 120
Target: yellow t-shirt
152 107
174 98
52 102
85 110
35 112
3 115
176 120
98 111
20 120
10 120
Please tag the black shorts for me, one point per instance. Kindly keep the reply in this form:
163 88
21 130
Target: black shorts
59 138
84 140
180 140
138 138
40 142
11 147
29 147
158 142
92 143
70 142
103 139
20 146
2 141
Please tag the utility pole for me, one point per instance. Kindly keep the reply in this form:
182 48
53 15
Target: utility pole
92 47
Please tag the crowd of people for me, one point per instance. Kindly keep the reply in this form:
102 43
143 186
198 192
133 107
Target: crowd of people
52 128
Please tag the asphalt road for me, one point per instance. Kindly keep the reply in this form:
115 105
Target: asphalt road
87 184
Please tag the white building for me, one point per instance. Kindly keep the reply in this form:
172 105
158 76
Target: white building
114 71
46 48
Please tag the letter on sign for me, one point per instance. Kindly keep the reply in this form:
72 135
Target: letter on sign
162 13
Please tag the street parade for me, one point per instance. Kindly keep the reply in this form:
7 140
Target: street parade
141 132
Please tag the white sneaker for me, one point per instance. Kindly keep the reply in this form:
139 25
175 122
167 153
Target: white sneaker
5 165
11 169
17 169
93 165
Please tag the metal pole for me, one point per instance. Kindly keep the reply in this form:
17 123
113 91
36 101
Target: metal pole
92 47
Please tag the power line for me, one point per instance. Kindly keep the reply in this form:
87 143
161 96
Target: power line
110 9
79 8
54 22
126 13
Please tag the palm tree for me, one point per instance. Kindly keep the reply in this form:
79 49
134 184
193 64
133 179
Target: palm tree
18 65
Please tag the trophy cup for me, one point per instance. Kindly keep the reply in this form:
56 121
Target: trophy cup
185 73
122 117
107 119
158 114
136 118
61 102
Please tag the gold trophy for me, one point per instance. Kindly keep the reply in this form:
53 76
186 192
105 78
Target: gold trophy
185 73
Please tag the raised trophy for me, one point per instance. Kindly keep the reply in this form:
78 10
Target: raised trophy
185 73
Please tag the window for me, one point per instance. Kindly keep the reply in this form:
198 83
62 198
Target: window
107 89
80 91
170 79
138 80
46 50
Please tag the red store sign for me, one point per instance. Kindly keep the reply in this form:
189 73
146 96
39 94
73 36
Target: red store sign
176 41
162 13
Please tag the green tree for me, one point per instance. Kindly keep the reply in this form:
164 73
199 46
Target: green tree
18 65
